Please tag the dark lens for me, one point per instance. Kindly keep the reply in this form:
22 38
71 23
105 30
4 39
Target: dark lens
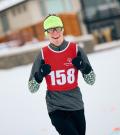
58 29
50 30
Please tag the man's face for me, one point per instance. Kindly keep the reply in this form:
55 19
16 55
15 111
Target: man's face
55 35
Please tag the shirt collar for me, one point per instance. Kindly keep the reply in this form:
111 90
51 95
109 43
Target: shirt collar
59 48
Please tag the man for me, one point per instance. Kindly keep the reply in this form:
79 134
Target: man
59 63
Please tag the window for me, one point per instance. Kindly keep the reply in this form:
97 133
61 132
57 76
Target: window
5 23
54 6
19 9
14 12
24 7
68 5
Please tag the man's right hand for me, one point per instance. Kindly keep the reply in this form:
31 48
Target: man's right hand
44 70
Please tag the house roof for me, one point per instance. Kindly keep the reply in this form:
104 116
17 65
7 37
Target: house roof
5 4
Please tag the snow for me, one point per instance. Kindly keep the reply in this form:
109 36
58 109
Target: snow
18 50
23 113
107 45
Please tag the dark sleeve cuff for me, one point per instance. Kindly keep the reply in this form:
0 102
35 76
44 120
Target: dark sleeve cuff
38 77
87 69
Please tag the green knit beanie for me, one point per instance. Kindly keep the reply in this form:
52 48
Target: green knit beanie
52 21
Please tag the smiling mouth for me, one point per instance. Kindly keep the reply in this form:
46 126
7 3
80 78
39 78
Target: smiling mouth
55 37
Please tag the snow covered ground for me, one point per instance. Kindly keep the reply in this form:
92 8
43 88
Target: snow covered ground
23 113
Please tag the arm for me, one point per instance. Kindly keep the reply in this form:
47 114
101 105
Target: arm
39 70
82 63
33 85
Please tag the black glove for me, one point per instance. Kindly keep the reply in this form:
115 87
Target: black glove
78 62
44 70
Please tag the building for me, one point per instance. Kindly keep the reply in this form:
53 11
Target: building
17 14
102 18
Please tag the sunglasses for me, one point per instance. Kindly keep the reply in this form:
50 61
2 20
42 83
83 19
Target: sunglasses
57 29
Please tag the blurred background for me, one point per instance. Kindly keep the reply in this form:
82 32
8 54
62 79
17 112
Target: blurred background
22 19
87 21
95 26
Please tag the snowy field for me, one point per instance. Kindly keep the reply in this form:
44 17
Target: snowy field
23 113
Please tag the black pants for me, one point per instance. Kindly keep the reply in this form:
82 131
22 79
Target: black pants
69 122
